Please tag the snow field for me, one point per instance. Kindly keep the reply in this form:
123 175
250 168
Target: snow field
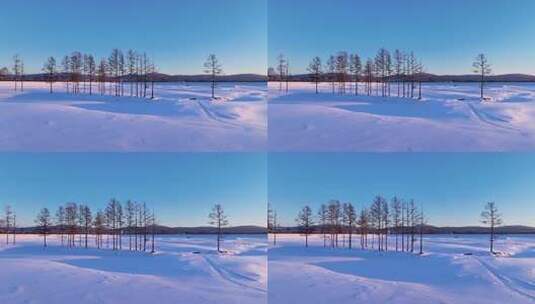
185 269
449 118
444 274
182 117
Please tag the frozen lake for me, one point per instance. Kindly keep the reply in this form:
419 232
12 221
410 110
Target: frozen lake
450 117
182 117
184 270
444 274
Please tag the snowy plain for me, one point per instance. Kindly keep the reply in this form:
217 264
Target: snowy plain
183 270
449 118
444 274
181 117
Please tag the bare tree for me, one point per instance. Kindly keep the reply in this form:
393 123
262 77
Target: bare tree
218 218
315 70
91 70
363 222
60 222
422 223
369 74
130 215
99 226
334 219
331 68
493 219
153 231
395 206
76 71
355 67
413 220
398 68
50 70
44 221
131 68
342 65
8 220
14 227
87 220
17 68
71 216
102 76
281 69
350 219
152 75
275 227
213 68
482 67
66 68
113 68
305 221
322 216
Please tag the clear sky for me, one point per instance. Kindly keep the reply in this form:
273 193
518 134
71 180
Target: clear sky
178 34
453 187
181 187
446 35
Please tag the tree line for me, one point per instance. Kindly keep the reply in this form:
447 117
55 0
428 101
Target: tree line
379 75
121 73
118 226
399 221
384 225
396 73
80 71
8 225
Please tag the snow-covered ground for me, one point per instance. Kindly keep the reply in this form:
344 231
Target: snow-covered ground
181 118
175 274
450 117
444 274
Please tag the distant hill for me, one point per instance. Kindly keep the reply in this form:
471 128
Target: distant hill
426 77
177 230
429 229
159 77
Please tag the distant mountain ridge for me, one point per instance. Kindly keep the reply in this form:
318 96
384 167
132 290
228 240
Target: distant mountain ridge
430 229
159 229
158 77
427 77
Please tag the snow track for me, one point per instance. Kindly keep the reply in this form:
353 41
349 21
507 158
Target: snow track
231 276
511 283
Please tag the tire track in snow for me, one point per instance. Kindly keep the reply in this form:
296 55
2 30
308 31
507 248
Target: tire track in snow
214 117
230 276
506 281
484 119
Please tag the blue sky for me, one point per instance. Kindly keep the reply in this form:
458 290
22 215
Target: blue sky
453 187
179 35
181 187
446 35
